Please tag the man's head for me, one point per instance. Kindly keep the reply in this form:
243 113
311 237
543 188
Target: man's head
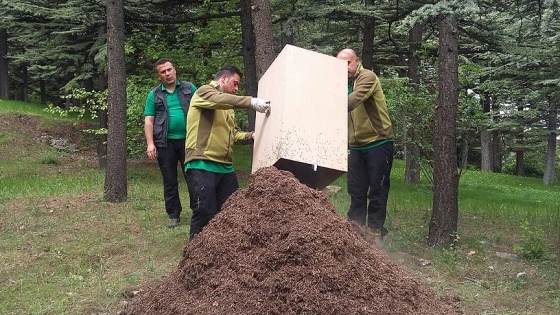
349 56
166 72
228 78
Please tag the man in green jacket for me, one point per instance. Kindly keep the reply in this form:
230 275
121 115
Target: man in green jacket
211 133
370 137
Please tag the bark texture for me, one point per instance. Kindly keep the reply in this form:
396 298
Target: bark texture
443 224
115 175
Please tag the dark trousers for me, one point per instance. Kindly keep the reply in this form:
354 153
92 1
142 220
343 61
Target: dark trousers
168 158
369 174
207 192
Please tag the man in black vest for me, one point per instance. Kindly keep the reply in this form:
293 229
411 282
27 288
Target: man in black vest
165 128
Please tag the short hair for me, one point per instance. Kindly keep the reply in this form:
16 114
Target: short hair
162 61
228 70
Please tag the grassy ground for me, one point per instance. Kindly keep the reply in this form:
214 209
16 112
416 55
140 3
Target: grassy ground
65 251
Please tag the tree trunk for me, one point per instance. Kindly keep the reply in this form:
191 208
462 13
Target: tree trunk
443 224
43 87
4 84
250 66
369 34
100 85
485 149
485 138
550 167
496 141
464 155
115 174
25 85
411 149
497 151
102 139
264 50
519 163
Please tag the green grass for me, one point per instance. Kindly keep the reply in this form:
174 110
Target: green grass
33 109
66 251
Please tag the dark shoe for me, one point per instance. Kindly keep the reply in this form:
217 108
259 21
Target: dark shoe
173 222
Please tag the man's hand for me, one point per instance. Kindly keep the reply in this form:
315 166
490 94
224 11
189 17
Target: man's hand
152 152
260 105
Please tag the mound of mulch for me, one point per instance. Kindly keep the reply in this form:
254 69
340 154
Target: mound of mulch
278 247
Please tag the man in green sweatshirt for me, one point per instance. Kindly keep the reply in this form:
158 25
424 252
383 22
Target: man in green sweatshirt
211 133
370 138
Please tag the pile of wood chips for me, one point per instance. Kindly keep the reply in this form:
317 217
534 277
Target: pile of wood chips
278 247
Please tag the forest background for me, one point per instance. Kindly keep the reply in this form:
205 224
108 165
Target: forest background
471 85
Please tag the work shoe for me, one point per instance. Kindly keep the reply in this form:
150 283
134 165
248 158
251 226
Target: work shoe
377 236
173 222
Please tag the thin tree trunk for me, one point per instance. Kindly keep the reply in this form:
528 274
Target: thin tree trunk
264 50
497 151
25 85
550 168
496 141
115 172
4 84
250 66
465 155
100 85
411 149
485 138
519 163
369 34
102 139
443 224
43 88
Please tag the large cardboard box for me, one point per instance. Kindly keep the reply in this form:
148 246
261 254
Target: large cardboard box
306 132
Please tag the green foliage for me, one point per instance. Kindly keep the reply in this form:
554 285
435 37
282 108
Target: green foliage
242 119
460 8
55 41
509 53
90 104
413 106
412 110
533 164
137 89
531 245
95 101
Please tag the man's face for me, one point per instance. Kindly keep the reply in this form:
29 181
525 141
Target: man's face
352 61
166 73
229 85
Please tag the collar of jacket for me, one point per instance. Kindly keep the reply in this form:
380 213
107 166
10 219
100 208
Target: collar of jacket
215 85
177 83
358 69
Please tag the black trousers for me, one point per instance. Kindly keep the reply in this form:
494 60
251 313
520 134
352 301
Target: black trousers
168 158
207 192
369 174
